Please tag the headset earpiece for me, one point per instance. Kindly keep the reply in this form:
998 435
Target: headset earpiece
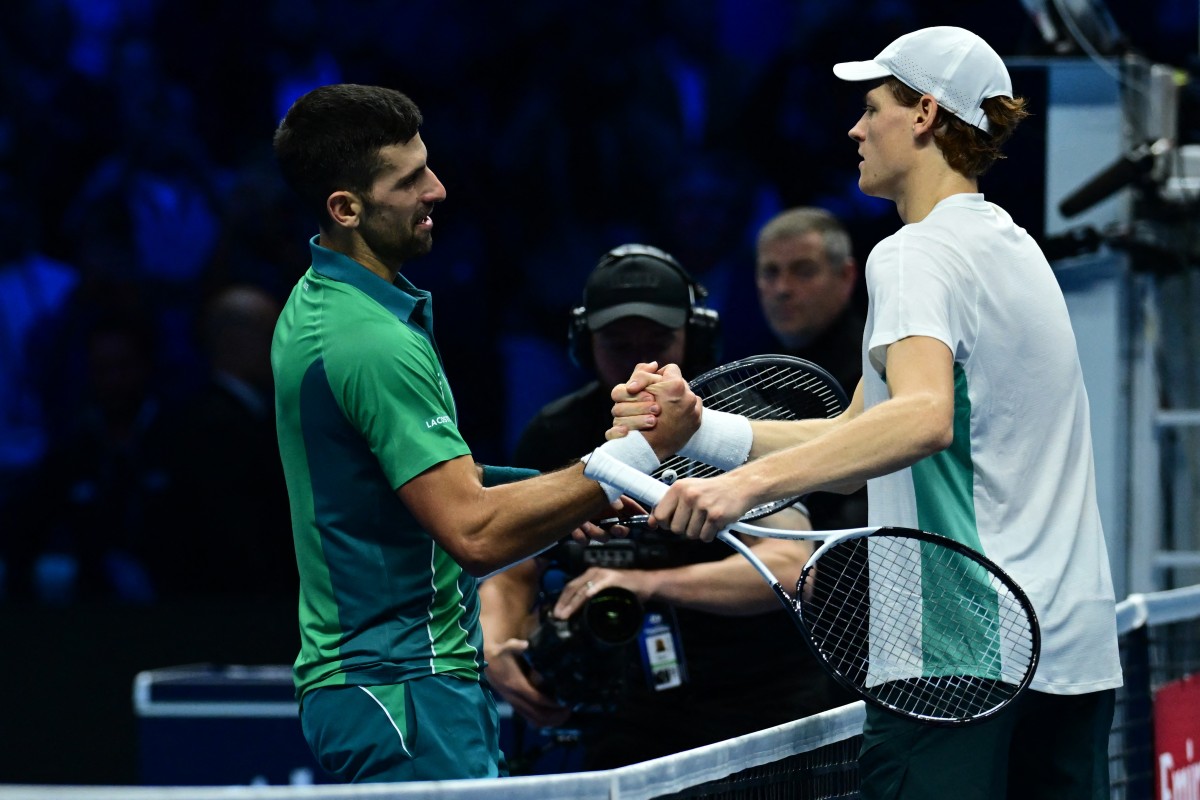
703 351
579 340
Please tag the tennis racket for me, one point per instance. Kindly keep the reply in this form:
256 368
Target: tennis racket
912 622
760 387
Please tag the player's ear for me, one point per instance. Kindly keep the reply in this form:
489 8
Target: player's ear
925 115
344 208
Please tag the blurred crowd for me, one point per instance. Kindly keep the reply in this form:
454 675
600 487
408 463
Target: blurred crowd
149 241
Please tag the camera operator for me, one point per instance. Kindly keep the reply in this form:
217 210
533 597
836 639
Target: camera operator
714 657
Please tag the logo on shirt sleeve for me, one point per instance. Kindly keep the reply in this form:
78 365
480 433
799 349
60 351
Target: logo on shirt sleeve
433 422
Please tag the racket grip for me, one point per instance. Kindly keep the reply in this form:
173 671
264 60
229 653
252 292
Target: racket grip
604 468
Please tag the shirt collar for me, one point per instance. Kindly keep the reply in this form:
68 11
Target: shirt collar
401 298
963 199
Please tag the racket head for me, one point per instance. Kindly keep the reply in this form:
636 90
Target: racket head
919 625
774 387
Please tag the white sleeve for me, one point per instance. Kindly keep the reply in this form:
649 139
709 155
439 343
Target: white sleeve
916 288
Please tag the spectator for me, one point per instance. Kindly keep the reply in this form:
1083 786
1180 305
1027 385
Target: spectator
98 516
806 277
233 536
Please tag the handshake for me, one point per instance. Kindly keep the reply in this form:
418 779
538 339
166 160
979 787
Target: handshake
656 414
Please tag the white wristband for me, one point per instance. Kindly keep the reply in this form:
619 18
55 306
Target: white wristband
723 440
633 450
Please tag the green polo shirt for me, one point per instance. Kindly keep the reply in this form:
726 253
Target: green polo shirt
362 407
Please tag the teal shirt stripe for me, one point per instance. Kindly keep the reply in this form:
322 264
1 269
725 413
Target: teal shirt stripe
945 492
945 482
342 467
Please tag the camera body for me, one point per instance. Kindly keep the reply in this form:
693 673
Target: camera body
583 660
587 661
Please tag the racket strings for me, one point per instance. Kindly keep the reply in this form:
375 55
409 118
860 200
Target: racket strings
918 626
771 392
758 390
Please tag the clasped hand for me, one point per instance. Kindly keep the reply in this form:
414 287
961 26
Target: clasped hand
660 404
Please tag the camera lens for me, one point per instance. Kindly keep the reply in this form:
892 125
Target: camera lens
613 616
582 659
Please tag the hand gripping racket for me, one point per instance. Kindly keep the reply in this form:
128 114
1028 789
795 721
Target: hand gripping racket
760 387
910 621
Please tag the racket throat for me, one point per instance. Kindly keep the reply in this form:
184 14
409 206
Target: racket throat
789 603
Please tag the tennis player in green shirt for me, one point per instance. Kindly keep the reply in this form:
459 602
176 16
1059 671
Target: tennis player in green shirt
393 521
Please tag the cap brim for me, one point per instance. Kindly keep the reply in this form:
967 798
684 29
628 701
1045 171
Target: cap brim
860 71
667 316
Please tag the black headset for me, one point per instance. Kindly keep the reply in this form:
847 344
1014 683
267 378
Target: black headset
703 327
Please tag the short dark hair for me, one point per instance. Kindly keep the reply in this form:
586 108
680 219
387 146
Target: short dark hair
968 149
330 139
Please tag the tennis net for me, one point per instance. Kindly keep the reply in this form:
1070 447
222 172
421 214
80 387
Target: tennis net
1160 643
810 759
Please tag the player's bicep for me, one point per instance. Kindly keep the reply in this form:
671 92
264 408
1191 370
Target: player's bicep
920 372
446 500
920 364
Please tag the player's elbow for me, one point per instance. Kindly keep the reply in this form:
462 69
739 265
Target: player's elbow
935 439
933 430
473 555
478 565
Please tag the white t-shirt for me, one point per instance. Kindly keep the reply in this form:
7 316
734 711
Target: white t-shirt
1018 482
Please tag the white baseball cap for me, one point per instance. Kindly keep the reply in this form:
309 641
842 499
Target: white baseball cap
959 69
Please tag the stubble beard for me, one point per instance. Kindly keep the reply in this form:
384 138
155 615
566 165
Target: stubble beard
393 243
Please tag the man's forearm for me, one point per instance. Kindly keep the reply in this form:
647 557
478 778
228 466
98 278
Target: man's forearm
732 587
485 529
890 436
773 435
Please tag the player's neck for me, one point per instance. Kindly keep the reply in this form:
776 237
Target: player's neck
351 245
929 186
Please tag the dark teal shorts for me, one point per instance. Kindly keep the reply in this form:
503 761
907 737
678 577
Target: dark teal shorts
1043 747
429 729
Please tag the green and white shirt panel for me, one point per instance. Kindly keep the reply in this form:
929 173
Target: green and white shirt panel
1018 481
363 406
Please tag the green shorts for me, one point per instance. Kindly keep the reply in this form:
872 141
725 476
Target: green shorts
429 729
1043 747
